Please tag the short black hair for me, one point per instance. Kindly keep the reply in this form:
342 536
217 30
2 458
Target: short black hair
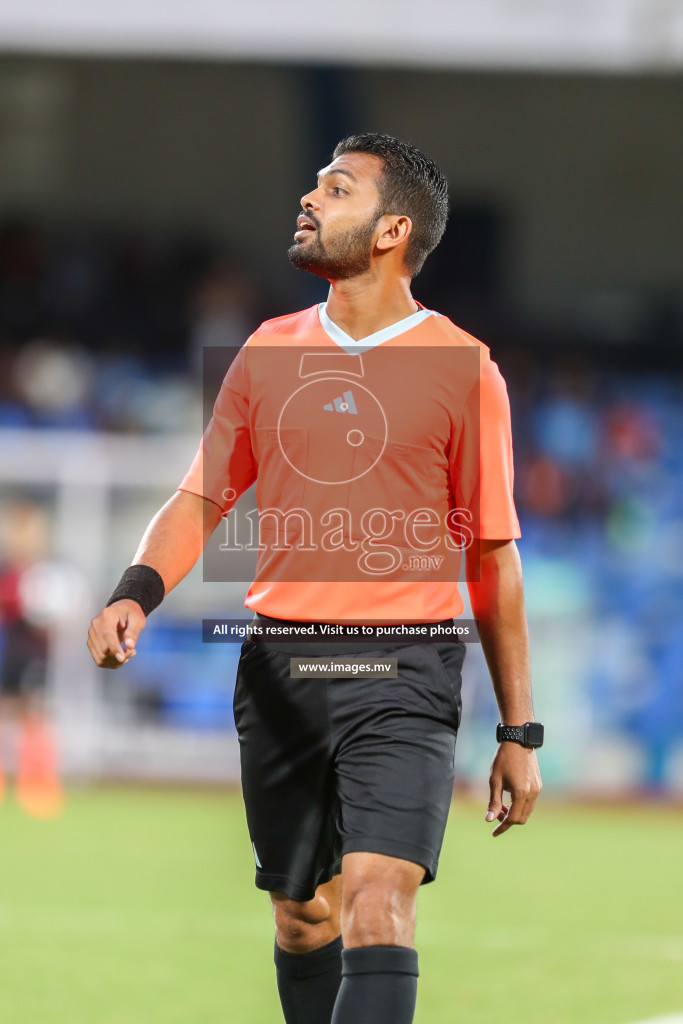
411 184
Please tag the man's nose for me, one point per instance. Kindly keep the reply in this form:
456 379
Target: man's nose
310 201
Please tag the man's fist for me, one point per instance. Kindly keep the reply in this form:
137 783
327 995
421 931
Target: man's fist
114 632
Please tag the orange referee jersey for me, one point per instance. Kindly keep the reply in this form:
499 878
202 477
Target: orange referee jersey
377 462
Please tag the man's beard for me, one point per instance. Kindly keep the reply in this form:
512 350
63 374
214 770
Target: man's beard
348 255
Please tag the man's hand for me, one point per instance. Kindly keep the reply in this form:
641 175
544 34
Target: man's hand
514 770
118 625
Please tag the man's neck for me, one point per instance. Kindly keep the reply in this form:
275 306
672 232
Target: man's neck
362 306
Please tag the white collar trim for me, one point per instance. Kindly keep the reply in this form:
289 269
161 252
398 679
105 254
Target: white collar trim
350 344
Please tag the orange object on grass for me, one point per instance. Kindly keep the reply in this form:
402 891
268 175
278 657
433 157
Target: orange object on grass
38 787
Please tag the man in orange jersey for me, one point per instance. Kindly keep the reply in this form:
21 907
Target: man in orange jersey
379 437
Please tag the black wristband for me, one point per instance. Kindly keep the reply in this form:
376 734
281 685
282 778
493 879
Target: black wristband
529 735
140 583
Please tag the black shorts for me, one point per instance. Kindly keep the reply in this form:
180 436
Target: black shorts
334 766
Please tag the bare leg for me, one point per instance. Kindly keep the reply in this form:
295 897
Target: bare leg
308 954
379 898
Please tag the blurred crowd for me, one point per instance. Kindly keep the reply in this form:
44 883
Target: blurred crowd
104 331
600 495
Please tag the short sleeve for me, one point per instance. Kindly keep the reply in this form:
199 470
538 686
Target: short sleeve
224 466
481 464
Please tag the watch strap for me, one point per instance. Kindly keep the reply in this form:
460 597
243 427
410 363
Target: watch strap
510 733
529 735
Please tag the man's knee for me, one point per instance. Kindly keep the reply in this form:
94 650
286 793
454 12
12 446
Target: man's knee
302 927
379 900
294 931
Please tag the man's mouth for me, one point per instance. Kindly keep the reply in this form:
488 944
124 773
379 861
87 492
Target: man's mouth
305 227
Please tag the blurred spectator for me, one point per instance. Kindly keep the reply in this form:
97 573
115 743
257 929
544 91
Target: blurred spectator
221 310
22 266
55 381
24 648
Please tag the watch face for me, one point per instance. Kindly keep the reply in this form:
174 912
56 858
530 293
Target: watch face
534 734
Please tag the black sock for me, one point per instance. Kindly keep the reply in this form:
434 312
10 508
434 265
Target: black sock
308 983
379 986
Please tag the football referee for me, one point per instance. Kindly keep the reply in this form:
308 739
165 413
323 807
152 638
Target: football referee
390 426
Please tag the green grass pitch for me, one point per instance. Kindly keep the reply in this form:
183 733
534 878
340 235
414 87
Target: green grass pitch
138 907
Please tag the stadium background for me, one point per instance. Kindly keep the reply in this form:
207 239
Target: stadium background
151 160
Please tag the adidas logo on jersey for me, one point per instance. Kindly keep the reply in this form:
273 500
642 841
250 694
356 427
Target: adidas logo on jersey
344 403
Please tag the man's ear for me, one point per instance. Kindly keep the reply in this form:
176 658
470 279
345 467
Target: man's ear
394 230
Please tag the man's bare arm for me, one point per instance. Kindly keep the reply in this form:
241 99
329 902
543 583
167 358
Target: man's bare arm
171 544
498 604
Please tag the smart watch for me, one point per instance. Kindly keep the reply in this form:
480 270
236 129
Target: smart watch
528 735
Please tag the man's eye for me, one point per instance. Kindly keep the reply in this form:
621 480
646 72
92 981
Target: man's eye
338 191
